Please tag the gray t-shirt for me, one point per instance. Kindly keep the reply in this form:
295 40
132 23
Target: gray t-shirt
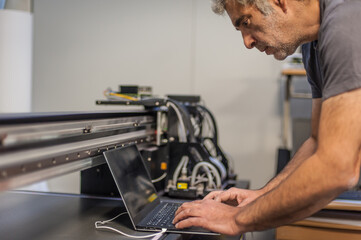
333 63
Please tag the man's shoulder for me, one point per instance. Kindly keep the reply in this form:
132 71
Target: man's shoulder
339 47
340 23
339 13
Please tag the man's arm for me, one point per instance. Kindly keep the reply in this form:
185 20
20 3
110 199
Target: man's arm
307 149
332 169
242 197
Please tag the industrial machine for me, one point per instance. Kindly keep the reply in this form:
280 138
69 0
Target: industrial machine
177 137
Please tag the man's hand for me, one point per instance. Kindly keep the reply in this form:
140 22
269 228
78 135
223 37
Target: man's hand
208 214
235 196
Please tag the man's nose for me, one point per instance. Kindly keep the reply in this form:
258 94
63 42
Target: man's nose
249 41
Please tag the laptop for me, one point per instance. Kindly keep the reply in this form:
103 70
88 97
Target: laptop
146 210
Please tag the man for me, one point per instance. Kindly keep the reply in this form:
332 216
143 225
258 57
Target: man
328 163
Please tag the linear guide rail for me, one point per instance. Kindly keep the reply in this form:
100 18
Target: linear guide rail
35 147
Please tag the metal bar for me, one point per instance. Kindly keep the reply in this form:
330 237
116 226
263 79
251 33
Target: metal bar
286 111
23 133
25 174
29 178
159 129
26 156
36 147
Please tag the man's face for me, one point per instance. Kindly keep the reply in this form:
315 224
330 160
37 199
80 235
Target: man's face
271 34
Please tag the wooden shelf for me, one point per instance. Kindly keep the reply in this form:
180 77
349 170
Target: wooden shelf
294 72
344 205
326 228
315 233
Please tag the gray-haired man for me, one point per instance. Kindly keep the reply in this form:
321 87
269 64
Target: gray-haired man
328 163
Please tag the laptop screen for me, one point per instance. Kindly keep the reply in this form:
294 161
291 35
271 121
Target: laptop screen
132 179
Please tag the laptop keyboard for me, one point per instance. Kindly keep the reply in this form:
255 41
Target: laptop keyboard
165 216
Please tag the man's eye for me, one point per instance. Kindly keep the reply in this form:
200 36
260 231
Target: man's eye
245 22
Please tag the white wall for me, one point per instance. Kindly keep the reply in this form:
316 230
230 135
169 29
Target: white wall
241 87
81 47
15 60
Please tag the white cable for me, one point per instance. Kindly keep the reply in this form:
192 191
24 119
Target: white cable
208 173
200 180
182 138
216 174
160 178
210 124
208 121
178 169
184 168
195 126
220 166
211 167
211 183
123 233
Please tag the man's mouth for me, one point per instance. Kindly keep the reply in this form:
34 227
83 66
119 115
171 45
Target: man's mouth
264 49
268 51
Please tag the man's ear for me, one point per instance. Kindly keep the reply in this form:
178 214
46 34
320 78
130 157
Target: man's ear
282 4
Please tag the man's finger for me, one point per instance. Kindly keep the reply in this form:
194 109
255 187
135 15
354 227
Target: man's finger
185 213
186 205
212 195
223 197
189 222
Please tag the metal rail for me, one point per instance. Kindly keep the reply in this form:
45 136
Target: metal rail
35 151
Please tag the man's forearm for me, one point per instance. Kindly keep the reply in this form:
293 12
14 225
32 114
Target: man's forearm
305 191
333 168
305 151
